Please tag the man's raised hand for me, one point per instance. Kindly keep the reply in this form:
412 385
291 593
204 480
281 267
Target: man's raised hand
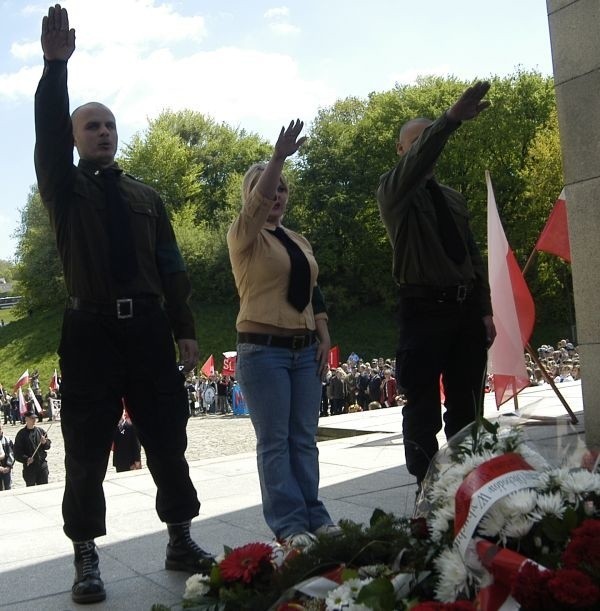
470 103
58 41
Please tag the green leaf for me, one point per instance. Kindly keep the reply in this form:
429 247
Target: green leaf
378 595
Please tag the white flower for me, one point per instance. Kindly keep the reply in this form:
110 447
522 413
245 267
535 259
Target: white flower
554 478
521 502
440 521
492 522
518 527
196 586
454 577
579 481
551 504
343 597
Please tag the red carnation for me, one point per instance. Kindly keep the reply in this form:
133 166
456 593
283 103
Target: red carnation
243 563
529 588
574 588
583 551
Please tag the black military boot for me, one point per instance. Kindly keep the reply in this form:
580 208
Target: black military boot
88 587
183 553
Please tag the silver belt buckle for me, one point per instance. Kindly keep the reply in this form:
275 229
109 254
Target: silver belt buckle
124 308
461 293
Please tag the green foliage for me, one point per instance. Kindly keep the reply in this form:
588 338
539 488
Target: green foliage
7 269
38 271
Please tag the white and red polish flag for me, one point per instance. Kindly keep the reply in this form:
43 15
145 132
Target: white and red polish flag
229 362
24 379
555 234
514 310
36 404
22 403
54 381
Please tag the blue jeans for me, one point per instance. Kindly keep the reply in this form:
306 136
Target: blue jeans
283 392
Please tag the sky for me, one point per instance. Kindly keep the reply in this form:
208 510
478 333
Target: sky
253 64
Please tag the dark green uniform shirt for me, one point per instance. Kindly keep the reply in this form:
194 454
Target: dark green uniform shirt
76 202
408 213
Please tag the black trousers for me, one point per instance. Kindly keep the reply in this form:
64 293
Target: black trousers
438 338
102 360
36 473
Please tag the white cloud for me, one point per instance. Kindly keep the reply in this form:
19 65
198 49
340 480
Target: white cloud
25 50
278 21
409 77
277 12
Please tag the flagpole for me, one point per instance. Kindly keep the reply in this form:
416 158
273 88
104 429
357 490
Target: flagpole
40 443
529 261
550 381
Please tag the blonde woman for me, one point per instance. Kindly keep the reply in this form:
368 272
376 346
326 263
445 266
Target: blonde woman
283 345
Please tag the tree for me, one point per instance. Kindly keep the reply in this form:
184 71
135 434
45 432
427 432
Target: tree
38 269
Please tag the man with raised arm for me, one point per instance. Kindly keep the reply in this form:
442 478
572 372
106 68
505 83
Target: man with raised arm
128 293
444 312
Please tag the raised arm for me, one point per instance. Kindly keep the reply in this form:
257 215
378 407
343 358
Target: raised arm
53 129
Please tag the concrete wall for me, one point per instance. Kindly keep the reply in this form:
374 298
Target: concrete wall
575 40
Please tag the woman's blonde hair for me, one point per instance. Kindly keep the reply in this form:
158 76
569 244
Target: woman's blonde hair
251 178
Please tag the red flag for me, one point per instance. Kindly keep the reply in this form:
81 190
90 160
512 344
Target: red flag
208 369
514 310
24 379
334 357
54 381
555 235
229 363
22 403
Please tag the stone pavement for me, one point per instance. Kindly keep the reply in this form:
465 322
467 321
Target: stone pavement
359 473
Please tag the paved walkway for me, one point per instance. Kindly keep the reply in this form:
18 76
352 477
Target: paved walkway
358 474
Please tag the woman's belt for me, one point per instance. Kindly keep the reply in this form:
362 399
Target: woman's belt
129 307
291 342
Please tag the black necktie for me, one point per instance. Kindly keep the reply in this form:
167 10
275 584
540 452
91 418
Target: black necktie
448 231
123 260
299 289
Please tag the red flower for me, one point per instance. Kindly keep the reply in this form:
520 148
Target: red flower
583 551
529 588
574 588
243 563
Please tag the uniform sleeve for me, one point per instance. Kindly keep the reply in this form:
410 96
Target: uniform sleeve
53 154
482 286
175 281
318 303
245 229
19 447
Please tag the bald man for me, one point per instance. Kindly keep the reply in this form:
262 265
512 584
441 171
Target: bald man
444 309
128 292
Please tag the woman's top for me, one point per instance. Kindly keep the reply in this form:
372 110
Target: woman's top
261 268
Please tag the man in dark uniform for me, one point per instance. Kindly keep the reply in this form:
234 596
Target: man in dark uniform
30 447
128 293
445 314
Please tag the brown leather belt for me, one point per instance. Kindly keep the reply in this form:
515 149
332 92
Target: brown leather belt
129 307
291 342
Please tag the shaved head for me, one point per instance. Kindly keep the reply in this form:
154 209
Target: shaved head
409 132
95 133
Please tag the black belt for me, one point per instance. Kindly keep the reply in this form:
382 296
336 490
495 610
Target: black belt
451 294
120 308
292 342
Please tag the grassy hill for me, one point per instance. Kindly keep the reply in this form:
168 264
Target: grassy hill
30 342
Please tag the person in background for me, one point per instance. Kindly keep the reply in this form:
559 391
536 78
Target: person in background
7 460
31 446
282 348
127 450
